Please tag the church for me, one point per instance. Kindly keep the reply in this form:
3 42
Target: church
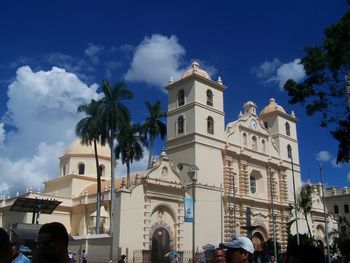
213 181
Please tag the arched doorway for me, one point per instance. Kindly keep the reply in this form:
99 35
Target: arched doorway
258 241
160 245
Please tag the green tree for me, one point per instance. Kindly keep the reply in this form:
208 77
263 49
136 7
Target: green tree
304 203
114 115
326 88
88 130
129 147
153 126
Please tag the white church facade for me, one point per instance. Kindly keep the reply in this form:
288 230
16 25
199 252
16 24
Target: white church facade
232 172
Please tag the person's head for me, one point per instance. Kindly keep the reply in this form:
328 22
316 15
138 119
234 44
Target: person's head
5 248
220 255
239 250
123 256
272 258
14 250
52 243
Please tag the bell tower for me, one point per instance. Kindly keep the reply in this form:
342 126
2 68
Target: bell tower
195 123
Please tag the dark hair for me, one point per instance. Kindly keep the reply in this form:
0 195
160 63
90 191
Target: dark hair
123 256
4 246
57 231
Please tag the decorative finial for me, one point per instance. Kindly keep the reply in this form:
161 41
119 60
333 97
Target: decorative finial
195 64
220 81
171 80
240 114
17 194
123 183
293 114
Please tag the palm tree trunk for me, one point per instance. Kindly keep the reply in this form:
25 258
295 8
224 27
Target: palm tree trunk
98 205
111 145
150 153
128 175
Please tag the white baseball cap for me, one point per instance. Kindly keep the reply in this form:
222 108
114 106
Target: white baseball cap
239 242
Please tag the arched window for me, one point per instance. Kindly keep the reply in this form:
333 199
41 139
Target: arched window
287 129
102 170
252 184
210 125
180 125
209 97
245 139
81 168
263 145
289 151
181 98
254 143
64 170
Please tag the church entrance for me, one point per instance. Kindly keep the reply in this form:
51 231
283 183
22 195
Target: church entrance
160 245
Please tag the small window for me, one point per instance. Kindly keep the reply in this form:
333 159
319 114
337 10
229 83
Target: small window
81 169
263 145
245 139
252 184
254 143
209 97
64 170
346 209
180 125
181 98
210 125
289 151
336 209
287 129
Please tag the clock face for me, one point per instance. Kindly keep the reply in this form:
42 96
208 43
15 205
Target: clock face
253 124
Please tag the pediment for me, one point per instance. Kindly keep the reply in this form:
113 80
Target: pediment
163 170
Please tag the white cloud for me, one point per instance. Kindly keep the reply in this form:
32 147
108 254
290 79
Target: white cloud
334 163
267 69
323 156
292 70
41 112
275 72
33 171
93 51
2 134
155 60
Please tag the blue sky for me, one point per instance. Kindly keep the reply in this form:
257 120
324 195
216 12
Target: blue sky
56 53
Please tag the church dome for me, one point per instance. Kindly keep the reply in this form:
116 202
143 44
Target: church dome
76 148
196 70
272 107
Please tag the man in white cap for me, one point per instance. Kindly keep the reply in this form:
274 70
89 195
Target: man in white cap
239 250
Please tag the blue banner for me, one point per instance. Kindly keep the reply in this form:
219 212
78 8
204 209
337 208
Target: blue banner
188 209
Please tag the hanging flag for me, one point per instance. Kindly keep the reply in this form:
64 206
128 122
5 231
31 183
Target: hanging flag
188 209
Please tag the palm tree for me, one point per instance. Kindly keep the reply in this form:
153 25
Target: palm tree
129 147
113 115
304 202
88 130
153 126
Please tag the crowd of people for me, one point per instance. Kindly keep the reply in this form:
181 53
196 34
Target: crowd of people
241 250
52 247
